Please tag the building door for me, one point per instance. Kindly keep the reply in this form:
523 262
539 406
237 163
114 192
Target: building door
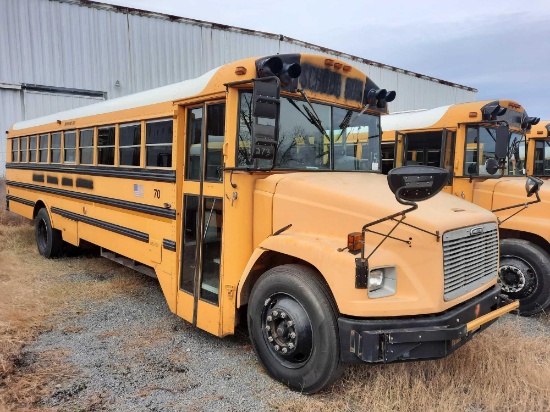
201 260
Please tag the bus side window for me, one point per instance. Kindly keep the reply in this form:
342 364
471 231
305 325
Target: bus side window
43 148
86 147
15 149
215 130
158 142
55 150
32 149
106 146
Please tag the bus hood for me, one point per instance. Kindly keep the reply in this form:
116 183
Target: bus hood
504 192
337 203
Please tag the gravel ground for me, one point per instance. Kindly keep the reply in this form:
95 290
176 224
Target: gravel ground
131 353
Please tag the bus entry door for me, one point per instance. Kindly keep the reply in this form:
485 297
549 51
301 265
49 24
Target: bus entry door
201 260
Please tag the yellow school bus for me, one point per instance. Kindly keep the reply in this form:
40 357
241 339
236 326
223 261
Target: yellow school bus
463 139
538 150
255 189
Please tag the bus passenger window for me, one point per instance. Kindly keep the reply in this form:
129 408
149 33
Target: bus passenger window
158 143
32 148
193 146
69 146
43 150
55 151
215 130
106 146
86 147
23 150
130 144
212 248
15 149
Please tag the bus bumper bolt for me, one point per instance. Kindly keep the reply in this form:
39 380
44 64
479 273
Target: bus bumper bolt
277 347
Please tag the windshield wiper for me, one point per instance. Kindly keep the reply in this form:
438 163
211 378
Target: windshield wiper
313 117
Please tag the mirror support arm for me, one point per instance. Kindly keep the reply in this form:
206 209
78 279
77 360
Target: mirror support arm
525 205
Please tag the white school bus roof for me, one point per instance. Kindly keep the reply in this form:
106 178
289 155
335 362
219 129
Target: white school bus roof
162 94
418 119
444 116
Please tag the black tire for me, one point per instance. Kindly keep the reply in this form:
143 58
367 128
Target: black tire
302 347
48 240
524 274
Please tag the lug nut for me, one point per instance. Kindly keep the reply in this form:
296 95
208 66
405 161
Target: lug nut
268 327
270 339
285 350
291 345
289 323
292 335
269 319
283 315
277 347
274 313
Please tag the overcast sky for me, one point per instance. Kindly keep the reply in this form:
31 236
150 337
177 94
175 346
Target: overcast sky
501 48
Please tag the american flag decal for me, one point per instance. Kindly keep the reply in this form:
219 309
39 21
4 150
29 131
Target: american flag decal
138 190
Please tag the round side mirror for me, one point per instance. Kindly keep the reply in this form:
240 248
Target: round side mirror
491 165
416 183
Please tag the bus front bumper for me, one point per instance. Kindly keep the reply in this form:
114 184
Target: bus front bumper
421 337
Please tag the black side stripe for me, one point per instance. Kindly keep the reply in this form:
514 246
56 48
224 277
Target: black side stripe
137 207
169 245
52 180
19 200
143 237
120 172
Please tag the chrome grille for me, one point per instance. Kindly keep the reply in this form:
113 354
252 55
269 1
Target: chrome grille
470 258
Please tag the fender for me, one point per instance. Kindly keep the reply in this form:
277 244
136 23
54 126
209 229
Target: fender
319 251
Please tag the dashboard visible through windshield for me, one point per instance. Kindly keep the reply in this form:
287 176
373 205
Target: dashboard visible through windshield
342 139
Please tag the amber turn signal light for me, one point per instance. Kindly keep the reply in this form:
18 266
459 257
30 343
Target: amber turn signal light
355 241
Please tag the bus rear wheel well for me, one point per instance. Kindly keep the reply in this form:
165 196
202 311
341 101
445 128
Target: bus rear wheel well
269 260
39 205
518 234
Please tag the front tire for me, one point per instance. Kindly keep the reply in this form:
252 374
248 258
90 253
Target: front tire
292 321
524 274
48 240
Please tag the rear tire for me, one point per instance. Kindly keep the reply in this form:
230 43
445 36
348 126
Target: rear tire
292 322
524 274
48 240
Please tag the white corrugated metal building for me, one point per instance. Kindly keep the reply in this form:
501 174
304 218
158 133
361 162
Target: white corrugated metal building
62 54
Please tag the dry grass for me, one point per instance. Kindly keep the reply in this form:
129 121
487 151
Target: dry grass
33 290
502 369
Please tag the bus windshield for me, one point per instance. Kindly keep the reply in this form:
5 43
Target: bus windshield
480 146
542 157
345 139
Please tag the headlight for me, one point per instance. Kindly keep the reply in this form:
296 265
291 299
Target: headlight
376 279
382 281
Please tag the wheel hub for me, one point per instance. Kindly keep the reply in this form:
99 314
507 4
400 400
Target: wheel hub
287 329
511 278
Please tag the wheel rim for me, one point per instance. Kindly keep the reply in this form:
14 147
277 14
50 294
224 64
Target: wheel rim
517 277
42 237
287 330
